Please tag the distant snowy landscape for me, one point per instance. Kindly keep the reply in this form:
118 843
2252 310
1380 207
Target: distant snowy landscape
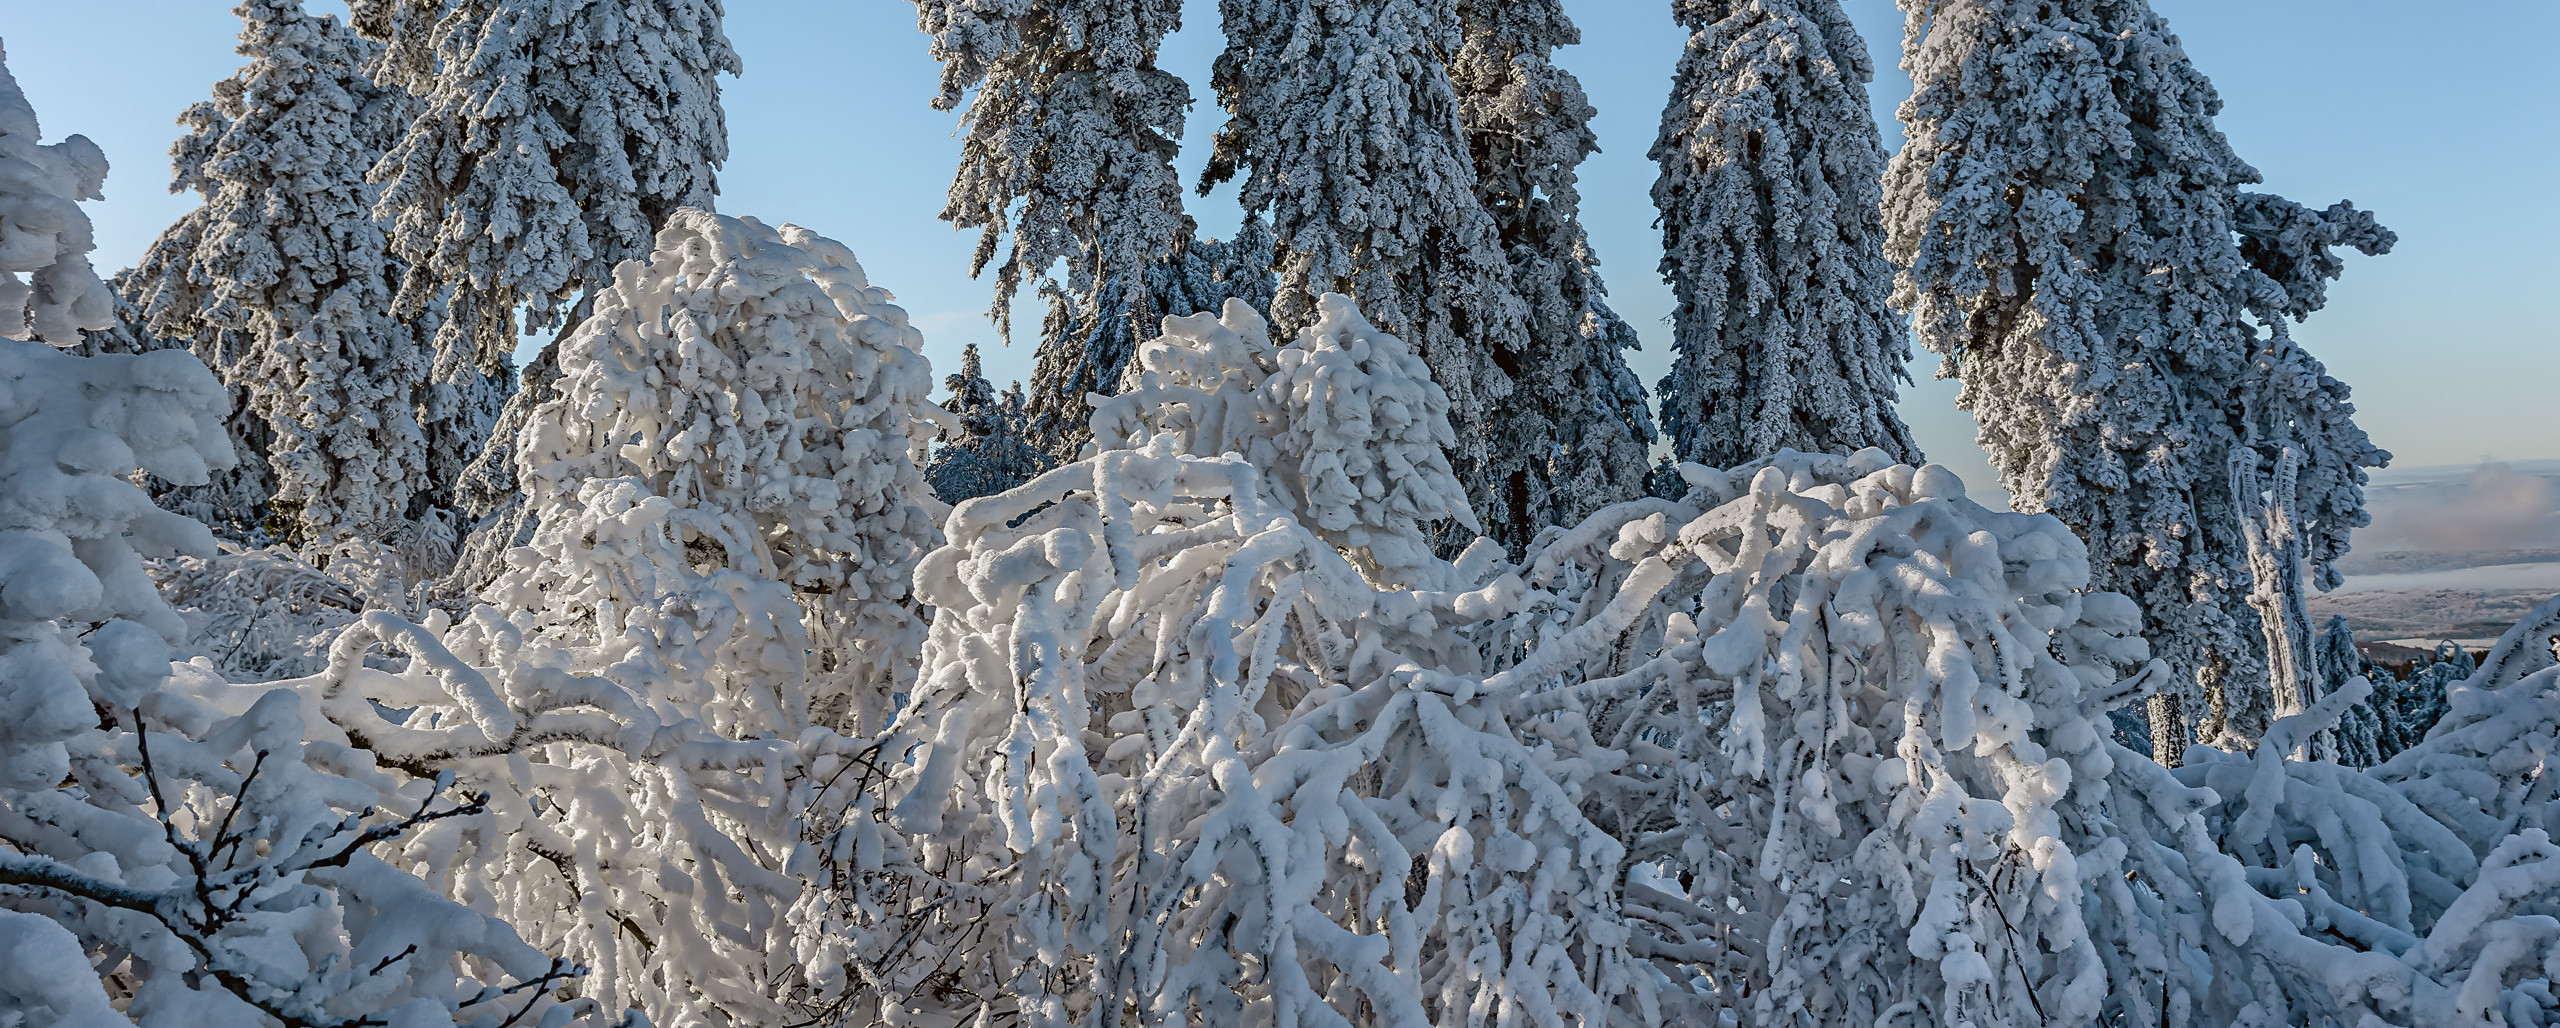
2455 553
461 575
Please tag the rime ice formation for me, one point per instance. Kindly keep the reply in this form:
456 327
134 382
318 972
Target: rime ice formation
1572 438
282 282
43 235
1772 241
2066 211
553 138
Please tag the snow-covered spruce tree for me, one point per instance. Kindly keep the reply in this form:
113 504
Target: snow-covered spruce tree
1343 118
1772 241
1067 148
1527 126
2066 210
553 138
1085 351
282 282
990 454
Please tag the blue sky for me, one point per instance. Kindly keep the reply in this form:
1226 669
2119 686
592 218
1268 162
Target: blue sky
2439 117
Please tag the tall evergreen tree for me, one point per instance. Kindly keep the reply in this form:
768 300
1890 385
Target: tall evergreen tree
1772 241
554 138
990 454
1342 117
282 283
1066 158
2066 212
1528 129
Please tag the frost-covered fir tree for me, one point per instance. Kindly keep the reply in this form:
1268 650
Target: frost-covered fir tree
1068 148
1581 413
1342 117
2066 211
553 138
1772 241
1086 351
990 454
282 281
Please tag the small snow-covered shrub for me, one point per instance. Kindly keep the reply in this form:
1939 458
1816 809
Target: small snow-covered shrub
727 509
1186 747
750 392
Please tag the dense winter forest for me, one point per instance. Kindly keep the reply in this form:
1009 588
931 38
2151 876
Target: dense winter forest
1334 630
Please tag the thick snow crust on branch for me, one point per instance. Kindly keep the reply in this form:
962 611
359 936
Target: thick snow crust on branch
729 510
1772 239
48 291
744 403
1345 421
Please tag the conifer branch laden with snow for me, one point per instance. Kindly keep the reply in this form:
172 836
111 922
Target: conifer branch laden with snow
553 138
1069 141
1572 438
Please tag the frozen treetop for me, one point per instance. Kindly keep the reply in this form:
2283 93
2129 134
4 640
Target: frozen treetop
1344 420
749 388
44 235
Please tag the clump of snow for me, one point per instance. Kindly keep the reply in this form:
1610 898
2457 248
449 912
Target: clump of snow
43 234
